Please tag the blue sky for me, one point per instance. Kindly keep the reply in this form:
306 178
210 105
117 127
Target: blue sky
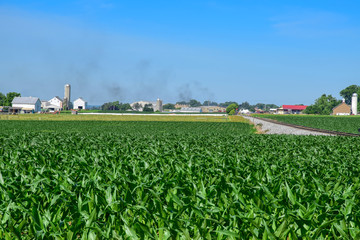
282 52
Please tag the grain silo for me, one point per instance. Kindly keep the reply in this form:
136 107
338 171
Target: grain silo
159 105
67 96
354 100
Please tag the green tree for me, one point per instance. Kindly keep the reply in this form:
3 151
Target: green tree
209 103
265 106
232 108
10 97
2 99
245 105
115 106
137 106
349 91
323 105
169 106
194 103
148 108
182 103
226 104
124 106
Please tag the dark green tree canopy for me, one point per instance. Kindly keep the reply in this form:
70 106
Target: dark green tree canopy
182 103
116 106
226 104
194 103
349 91
2 99
169 106
245 105
323 105
137 106
209 103
232 108
148 108
10 97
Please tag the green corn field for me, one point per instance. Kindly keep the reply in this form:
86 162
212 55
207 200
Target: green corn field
350 124
175 180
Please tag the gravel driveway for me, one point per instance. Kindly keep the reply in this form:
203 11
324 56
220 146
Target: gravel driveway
272 128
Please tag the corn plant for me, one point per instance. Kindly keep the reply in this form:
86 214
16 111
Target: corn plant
136 181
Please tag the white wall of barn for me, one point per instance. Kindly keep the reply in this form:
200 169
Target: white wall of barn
56 102
80 103
36 106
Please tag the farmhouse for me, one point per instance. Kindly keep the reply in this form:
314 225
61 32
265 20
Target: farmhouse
291 109
80 104
27 104
342 109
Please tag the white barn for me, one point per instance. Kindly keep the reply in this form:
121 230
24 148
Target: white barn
27 104
56 101
54 104
80 104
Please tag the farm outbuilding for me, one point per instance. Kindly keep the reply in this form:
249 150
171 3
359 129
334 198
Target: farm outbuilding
54 104
27 104
291 109
191 110
56 101
207 109
80 104
342 109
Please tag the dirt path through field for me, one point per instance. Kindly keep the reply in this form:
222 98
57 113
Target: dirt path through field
272 128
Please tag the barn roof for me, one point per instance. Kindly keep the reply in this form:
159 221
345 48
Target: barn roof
342 104
25 100
57 97
80 98
294 107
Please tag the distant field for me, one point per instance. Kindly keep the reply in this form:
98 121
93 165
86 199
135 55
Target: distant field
136 112
349 124
127 127
69 117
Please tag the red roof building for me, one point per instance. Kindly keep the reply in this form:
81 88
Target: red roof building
294 107
291 109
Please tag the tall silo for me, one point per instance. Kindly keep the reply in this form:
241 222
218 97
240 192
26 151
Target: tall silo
159 105
354 100
67 96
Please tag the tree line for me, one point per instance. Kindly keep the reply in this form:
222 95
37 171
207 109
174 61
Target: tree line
6 99
116 106
325 103
191 103
244 105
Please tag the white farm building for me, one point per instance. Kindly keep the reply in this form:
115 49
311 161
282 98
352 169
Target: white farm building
54 104
140 105
27 104
56 101
80 104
